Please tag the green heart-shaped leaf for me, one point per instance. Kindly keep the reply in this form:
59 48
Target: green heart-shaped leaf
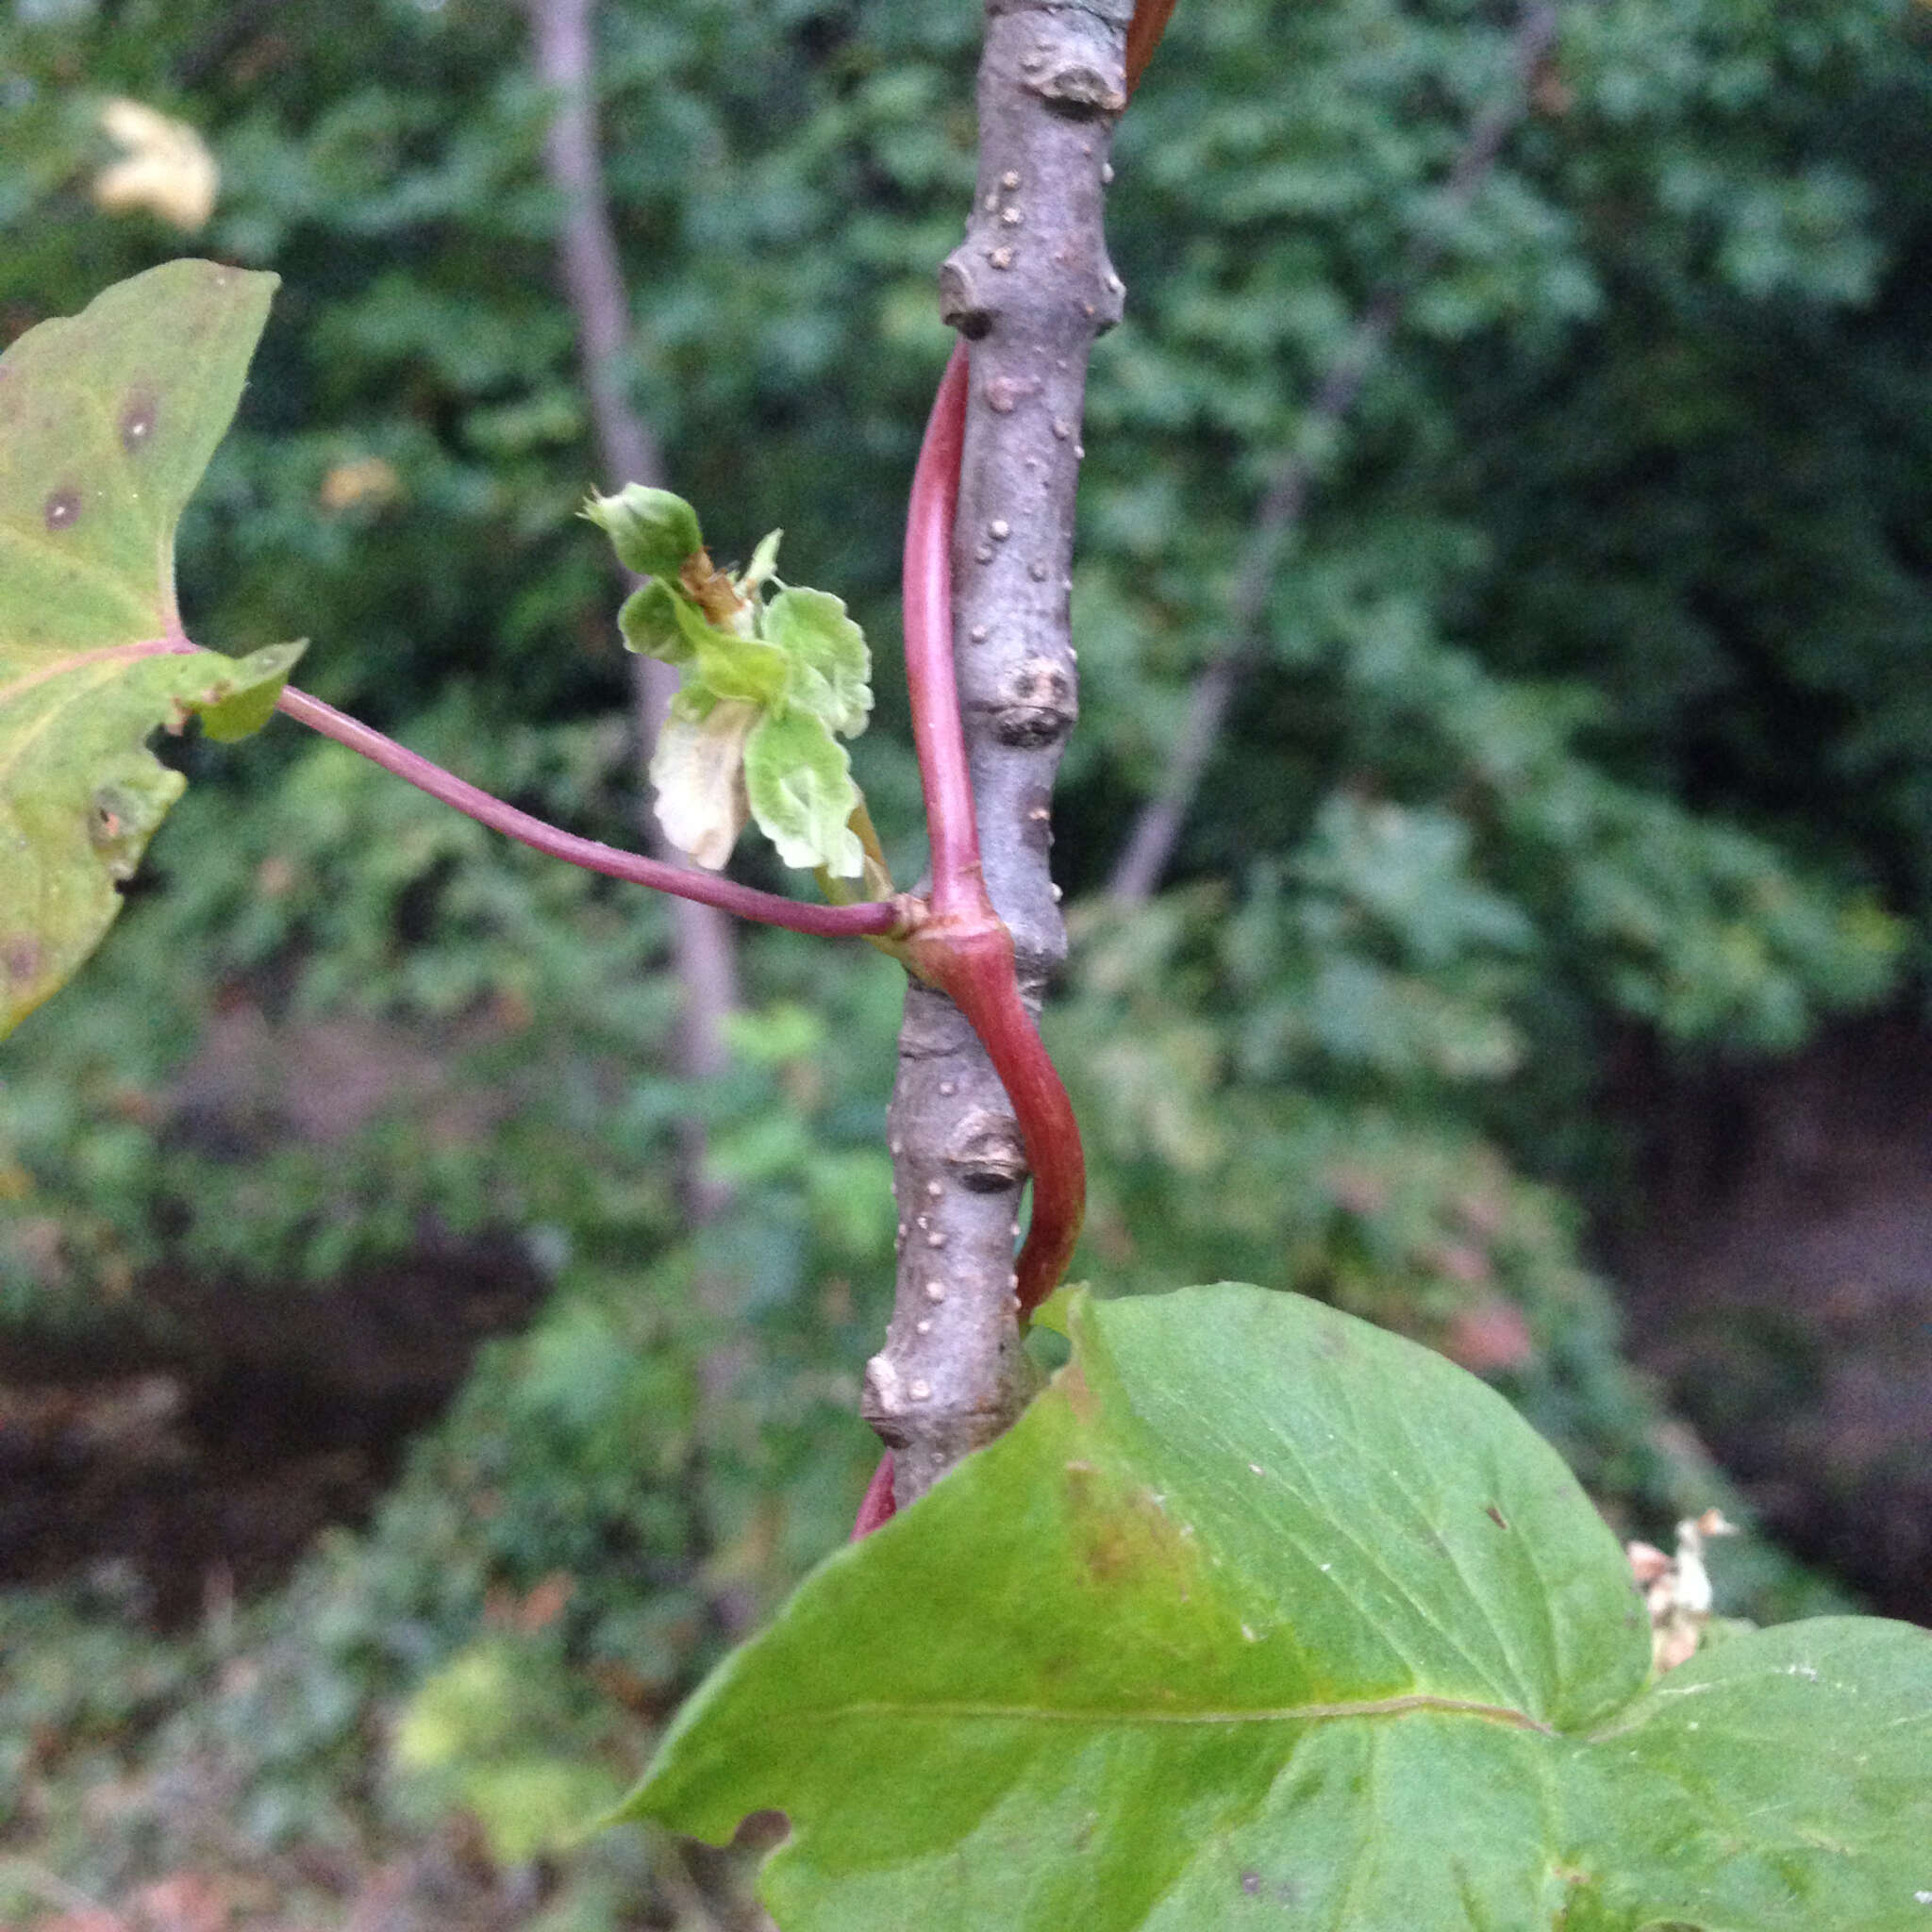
1264 1617
107 422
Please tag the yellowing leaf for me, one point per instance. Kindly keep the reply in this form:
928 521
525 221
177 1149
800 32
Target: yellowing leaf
106 421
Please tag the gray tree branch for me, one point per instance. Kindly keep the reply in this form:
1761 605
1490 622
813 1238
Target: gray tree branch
1030 288
1157 827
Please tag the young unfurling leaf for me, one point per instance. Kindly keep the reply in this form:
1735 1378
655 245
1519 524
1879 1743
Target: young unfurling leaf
764 562
830 667
648 620
729 666
698 769
799 781
767 685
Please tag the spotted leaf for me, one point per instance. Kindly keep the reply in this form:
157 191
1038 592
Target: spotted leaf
108 420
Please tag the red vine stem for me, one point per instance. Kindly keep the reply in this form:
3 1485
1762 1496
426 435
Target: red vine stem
1143 35
974 963
876 1507
874 918
964 947
959 886
988 995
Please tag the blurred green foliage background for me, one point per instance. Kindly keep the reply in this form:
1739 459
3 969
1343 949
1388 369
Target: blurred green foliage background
1593 698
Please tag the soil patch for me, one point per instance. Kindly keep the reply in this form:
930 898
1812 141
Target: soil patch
281 1411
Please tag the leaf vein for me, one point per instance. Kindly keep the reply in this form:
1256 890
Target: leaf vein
950 1710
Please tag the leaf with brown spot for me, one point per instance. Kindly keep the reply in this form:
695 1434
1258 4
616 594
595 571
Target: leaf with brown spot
1260 1616
108 420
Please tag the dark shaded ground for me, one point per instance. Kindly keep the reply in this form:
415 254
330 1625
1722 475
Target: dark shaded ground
204 1464
1781 1285
279 1413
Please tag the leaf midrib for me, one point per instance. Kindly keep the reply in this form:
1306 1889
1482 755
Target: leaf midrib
1102 1718
80 661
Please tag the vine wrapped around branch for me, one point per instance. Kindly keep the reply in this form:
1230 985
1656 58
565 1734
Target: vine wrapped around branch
1029 289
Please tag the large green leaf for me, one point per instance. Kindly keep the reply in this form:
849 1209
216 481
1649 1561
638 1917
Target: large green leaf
1262 1616
107 422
